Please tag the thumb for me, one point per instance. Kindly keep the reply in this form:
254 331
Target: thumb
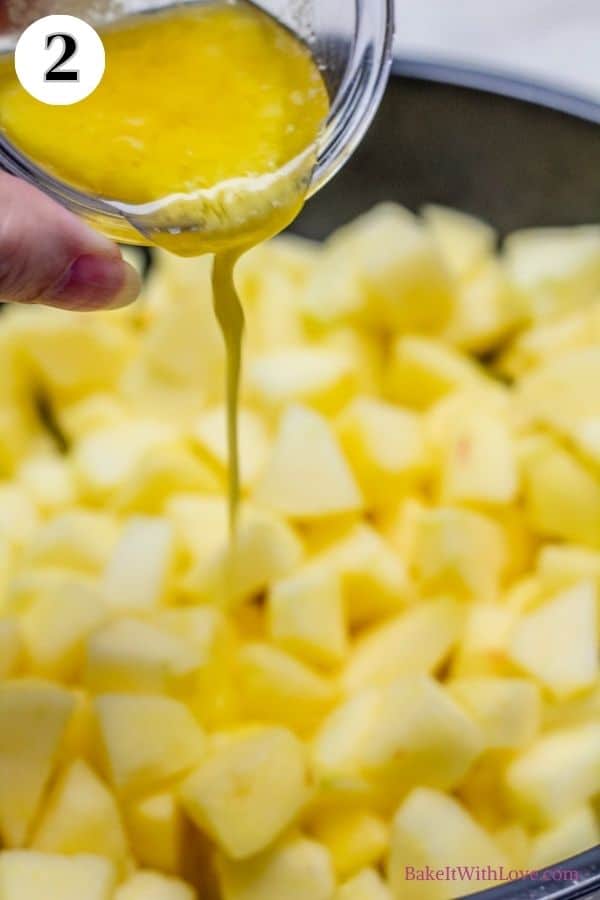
48 255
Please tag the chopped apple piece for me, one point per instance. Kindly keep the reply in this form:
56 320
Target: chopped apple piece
457 551
385 448
34 716
249 791
200 522
483 648
160 473
81 816
338 746
508 710
75 539
107 458
478 458
414 643
375 583
275 687
147 739
49 481
136 575
558 773
575 833
355 839
557 268
56 625
455 839
265 549
420 735
306 613
19 517
421 371
307 476
151 886
320 377
562 496
28 875
296 869
557 642
210 434
157 830
367 885
384 269
128 655
463 240
489 309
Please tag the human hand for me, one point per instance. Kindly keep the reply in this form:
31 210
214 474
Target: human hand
49 256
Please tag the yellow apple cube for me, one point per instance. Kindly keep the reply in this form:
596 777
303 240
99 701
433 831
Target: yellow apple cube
459 552
463 240
157 828
338 746
34 716
81 816
562 496
75 539
421 371
295 869
367 885
385 447
508 710
210 435
129 655
306 615
558 773
483 648
49 481
276 687
420 736
455 840
557 641
29 875
355 839
147 740
136 577
265 549
19 517
248 791
318 376
415 643
56 626
152 886
307 476
578 831
375 582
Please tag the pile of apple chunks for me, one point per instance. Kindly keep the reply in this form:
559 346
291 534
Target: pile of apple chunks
395 664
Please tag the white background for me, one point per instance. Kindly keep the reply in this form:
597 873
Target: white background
557 41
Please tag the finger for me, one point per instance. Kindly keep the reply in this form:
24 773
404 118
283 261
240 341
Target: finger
48 255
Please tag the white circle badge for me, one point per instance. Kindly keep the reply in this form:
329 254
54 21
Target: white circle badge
59 60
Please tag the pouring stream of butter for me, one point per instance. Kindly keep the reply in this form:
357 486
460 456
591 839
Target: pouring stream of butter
203 132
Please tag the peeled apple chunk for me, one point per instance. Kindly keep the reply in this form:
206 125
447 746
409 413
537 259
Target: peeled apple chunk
81 816
34 716
307 476
296 869
151 886
248 792
431 829
557 642
148 739
28 875
367 885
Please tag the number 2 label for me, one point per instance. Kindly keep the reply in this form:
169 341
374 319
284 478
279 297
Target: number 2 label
55 73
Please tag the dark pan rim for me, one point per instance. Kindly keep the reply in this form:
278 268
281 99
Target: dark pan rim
498 81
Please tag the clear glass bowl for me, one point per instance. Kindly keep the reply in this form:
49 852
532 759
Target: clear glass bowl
351 39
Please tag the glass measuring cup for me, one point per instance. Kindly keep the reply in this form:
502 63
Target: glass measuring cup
350 39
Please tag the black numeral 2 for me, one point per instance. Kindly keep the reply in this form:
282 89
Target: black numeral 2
54 73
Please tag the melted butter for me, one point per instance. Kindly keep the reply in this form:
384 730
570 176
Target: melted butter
202 132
